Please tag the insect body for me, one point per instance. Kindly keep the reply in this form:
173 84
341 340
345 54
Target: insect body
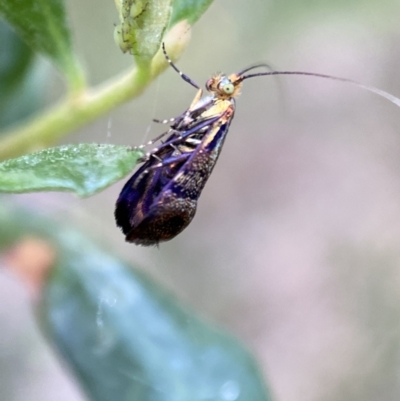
160 199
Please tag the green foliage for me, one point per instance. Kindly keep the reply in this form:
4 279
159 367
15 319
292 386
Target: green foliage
143 345
19 95
84 169
143 23
42 25
123 335
190 10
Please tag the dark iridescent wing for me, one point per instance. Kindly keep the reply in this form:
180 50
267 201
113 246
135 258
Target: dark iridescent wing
193 175
160 199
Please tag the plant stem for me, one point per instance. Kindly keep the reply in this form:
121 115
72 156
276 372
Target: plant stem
72 113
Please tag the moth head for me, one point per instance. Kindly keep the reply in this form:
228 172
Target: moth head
224 87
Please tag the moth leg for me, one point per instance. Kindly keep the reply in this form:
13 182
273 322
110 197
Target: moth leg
166 121
205 124
170 160
156 157
171 120
157 138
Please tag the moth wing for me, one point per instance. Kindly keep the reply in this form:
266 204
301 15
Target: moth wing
136 198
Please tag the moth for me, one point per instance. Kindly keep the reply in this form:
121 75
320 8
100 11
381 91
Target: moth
159 201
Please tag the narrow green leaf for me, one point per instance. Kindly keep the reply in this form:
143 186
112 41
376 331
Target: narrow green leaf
19 78
84 169
127 339
42 25
190 10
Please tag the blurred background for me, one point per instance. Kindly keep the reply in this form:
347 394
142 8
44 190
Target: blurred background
295 247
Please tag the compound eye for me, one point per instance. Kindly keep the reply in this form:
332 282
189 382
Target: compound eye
228 88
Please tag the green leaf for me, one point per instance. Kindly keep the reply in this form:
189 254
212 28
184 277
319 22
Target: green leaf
19 80
190 10
127 339
84 169
142 27
143 23
42 25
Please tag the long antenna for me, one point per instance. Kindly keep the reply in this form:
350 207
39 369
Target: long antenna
260 65
183 76
395 100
